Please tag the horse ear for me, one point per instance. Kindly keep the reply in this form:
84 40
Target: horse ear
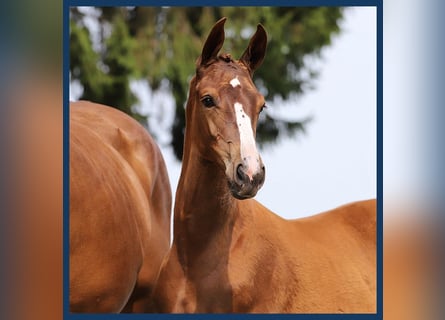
213 43
255 52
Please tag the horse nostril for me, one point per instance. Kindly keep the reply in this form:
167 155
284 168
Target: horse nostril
239 173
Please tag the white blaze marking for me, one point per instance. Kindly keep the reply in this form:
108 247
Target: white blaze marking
249 153
235 82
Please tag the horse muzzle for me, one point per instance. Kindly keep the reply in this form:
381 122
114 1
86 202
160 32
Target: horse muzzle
244 184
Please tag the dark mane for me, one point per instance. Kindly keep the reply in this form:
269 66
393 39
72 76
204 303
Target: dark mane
226 57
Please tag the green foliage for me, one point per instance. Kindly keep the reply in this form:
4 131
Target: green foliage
160 43
83 63
105 76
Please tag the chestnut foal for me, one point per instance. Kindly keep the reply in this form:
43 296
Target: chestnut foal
230 253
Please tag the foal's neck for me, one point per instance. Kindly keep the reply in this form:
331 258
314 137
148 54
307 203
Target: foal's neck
205 210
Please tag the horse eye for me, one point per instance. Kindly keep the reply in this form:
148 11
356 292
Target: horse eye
207 101
262 107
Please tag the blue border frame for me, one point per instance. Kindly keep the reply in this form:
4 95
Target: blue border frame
215 3
372 3
66 159
380 159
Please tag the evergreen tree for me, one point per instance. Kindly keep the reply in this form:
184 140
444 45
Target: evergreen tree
160 43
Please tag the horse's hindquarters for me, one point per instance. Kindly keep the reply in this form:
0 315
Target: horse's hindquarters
105 247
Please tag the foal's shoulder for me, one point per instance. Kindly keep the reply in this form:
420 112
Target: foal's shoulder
358 212
361 216
358 216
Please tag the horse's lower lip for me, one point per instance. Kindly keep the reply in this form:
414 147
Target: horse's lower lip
241 197
242 192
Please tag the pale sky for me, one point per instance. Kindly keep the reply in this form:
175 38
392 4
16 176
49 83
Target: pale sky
335 161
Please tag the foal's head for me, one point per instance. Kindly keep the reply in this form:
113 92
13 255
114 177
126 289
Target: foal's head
223 110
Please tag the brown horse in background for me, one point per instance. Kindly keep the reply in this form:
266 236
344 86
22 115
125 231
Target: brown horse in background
120 207
230 253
